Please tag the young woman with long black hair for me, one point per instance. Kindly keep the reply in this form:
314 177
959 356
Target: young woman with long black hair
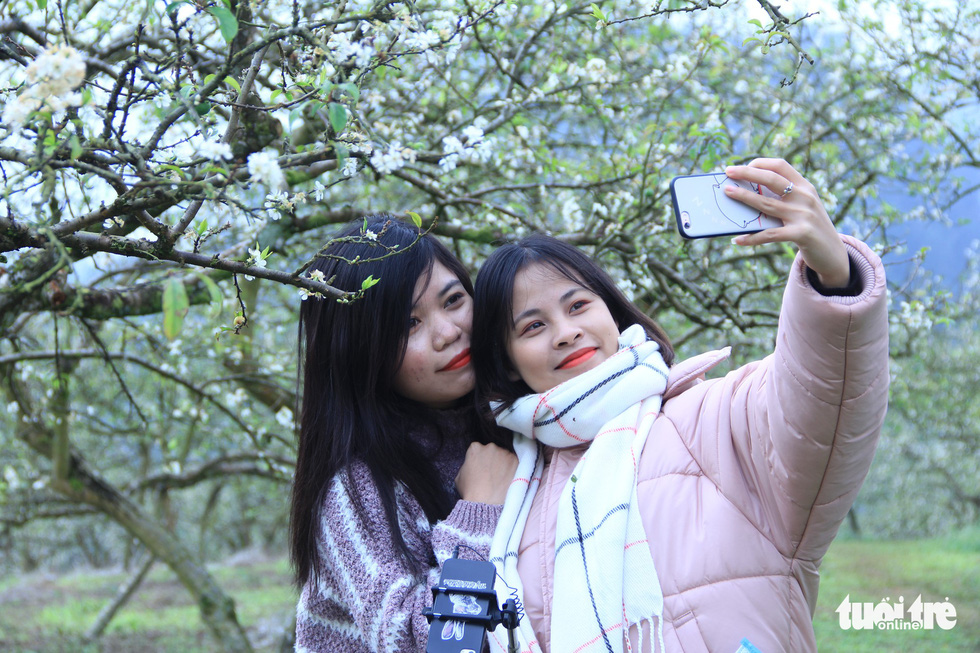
389 481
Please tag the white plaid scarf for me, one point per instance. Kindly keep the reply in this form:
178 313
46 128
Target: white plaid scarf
603 583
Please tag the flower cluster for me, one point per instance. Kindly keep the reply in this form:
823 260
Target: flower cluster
257 258
477 146
914 316
316 275
285 417
394 158
343 49
264 168
215 151
282 203
51 82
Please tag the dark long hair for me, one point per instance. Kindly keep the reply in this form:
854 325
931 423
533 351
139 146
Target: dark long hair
350 411
493 309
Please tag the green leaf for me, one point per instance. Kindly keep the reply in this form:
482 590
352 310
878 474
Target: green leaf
416 218
756 22
370 281
352 89
231 81
175 307
227 22
597 12
76 147
215 293
342 154
42 4
338 117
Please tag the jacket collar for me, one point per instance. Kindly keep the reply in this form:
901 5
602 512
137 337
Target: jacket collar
688 373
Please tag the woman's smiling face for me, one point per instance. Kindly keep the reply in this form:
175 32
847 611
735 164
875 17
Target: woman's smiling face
560 328
436 370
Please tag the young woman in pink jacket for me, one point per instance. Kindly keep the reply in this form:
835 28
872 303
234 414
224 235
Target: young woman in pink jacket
657 510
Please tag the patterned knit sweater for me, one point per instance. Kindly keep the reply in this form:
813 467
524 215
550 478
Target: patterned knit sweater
367 599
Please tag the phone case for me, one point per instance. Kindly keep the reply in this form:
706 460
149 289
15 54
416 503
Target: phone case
703 210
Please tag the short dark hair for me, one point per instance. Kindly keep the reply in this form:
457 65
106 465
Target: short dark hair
493 309
350 354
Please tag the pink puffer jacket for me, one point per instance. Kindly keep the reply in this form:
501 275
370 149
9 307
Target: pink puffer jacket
745 479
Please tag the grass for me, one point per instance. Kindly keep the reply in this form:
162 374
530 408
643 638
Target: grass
869 571
44 613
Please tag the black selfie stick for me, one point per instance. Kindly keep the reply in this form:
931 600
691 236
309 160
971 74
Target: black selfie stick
465 597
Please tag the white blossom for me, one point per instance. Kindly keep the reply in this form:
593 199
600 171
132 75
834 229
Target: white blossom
279 200
473 133
255 257
51 79
595 68
264 168
914 316
394 158
343 49
422 40
285 417
18 111
318 191
11 477
315 275
350 167
215 151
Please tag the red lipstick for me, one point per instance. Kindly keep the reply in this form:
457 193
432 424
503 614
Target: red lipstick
577 358
462 359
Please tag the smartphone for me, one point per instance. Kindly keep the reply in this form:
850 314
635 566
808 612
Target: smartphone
703 210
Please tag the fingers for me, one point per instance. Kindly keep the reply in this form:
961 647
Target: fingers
778 166
486 473
775 235
805 220
775 174
772 206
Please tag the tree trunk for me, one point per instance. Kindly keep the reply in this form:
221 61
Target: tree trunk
217 609
82 485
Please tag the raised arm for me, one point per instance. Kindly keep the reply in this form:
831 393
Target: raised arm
825 387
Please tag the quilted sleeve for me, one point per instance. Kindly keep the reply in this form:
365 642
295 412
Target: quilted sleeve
826 388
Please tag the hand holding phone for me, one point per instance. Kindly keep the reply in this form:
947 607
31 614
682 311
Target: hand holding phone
704 210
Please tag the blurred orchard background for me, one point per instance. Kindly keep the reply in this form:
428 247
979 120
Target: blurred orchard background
170 168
